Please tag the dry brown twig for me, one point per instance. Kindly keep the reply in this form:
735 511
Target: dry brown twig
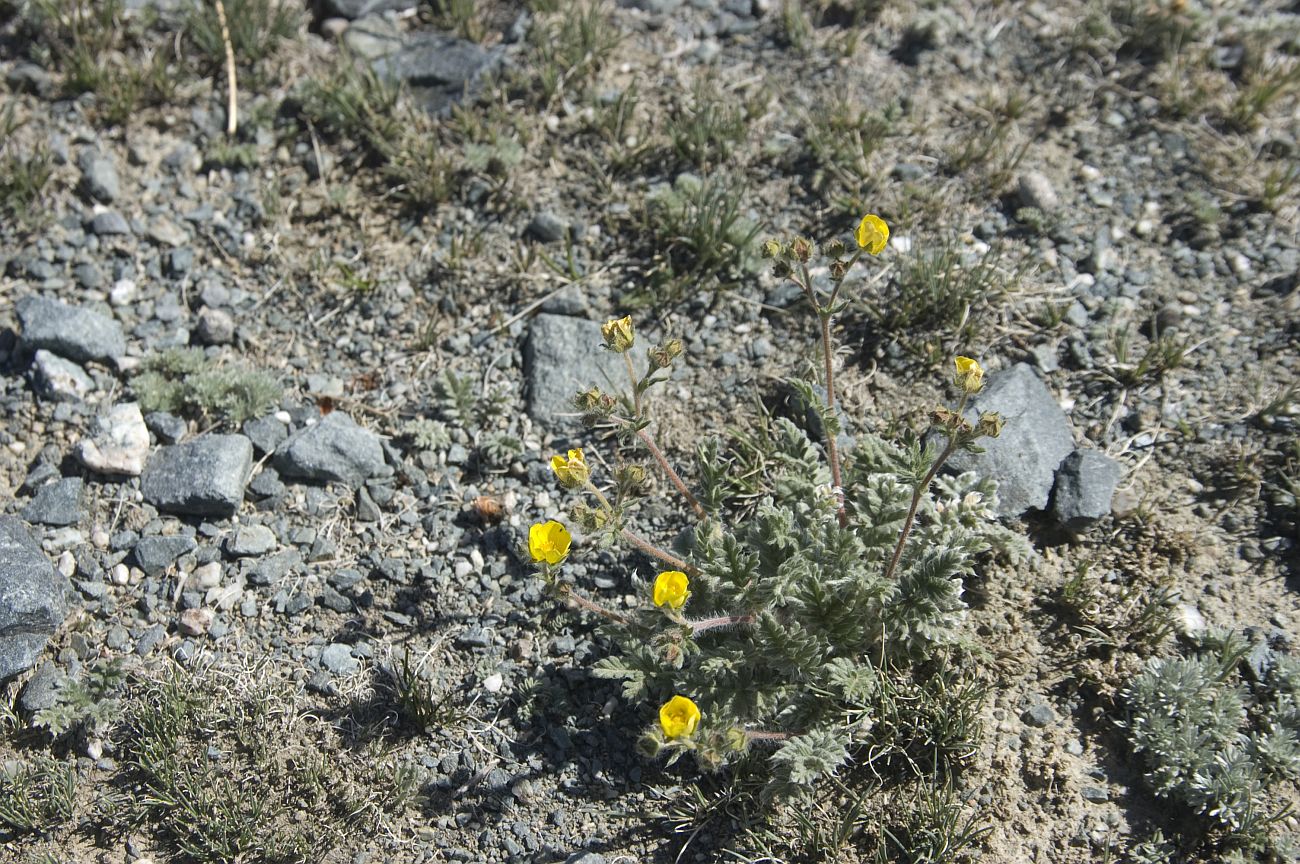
232 102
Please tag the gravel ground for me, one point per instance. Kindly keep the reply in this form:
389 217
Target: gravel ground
1096 199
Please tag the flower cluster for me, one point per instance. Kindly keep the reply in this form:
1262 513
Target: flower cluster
778 631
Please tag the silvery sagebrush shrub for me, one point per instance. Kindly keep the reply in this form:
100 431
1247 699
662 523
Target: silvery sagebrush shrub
780 632
1211 741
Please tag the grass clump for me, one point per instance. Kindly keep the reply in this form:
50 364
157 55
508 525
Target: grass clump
1215 743
37 796
825 629
23 176
701 237
937 290
183 381
256 28
98 48
569 47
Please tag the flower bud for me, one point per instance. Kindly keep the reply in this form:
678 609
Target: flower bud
571 471
801 249
839 269
630 478
663 355
781 269
772 249
833 248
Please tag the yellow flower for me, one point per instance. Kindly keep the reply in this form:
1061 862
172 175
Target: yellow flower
678 717
872 234
549 542
671 588
618 335
572 471
970 375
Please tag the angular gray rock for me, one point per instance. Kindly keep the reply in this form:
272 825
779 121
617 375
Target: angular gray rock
1085 484
69 331
120 443
58 503
32 601
42 689
1035 440
110 223
154 553
250 540
59 380
563 356
99 175
216 327
334 450
438 68
337 658
204 476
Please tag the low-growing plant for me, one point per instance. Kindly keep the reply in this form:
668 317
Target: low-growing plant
23 176
940 290
702 236
37 796
569 49
1213 743
185 382
841 139
98 48
1163 353
825 626
90 703
707 130
255 29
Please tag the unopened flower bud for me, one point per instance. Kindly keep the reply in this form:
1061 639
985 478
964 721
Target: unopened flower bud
833 248
736 739
772 249
839 270
781 269
664 355
630 478
801 249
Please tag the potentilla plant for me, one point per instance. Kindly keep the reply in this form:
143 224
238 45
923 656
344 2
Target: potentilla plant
780 633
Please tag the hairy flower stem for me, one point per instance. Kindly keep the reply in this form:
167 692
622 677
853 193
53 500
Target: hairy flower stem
921 488
673 477
655 552
636 387
566 592
704 625
760 735
828 355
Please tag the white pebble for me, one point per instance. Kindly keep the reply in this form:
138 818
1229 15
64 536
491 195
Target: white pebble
1089 173
67 563
100 538
493 682
901 243
1144 228
123 292
120 574
476 558
463 568
208 575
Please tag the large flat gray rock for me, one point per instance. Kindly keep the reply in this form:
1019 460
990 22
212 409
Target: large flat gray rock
334 450
204 476
32 602
69 331
1035 440
563 356
58 503
438 68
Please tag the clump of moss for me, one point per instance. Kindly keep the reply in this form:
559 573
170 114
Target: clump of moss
183 381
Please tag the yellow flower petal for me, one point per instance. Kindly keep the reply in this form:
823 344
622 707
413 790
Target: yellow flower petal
872 234
571 471
618 334
671 588
970 375
679 717
549 542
